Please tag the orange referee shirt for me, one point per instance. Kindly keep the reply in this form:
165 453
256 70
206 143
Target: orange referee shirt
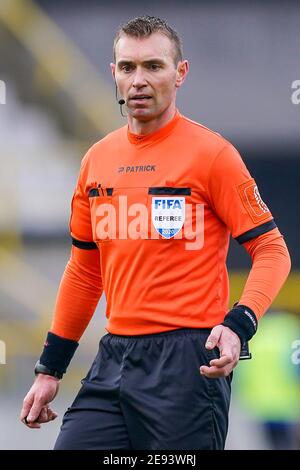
160 209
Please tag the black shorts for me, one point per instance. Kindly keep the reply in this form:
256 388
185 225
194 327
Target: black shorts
146 392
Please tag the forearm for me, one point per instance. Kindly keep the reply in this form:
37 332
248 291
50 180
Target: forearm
79 292
270 267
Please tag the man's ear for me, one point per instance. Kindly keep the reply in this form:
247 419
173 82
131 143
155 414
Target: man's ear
181 73
113 70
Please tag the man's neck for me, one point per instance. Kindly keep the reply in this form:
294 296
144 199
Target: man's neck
144 128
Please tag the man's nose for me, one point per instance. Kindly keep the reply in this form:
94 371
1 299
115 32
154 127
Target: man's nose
139 78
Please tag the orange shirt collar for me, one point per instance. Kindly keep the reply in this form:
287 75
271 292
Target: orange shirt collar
153 136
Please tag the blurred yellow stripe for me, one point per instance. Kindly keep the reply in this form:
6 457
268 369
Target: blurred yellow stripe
63 61
25 284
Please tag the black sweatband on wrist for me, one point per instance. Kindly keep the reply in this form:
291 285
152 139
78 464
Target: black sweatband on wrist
242 320
58 352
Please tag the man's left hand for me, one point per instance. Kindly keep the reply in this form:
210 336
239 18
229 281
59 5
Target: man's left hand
229 345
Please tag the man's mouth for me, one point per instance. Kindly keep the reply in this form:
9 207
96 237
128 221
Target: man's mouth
141 97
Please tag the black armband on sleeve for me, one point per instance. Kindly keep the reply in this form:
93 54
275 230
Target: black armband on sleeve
58 352
242 320
84 245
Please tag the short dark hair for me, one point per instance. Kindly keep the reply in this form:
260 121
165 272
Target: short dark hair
144 26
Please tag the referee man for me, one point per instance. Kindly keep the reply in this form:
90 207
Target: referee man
152 212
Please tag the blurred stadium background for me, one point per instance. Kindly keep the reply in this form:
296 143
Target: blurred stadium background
59 99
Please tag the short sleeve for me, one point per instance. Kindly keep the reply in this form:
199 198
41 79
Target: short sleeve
80 218
235 197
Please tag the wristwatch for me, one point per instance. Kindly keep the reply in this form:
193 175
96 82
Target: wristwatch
41 369
245 353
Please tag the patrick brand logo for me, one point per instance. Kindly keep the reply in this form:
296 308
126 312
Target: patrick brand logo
136 168
2 92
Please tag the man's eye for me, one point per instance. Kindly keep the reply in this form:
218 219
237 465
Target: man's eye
127 68
154 66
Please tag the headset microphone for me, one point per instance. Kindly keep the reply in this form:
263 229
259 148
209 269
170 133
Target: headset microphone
120 102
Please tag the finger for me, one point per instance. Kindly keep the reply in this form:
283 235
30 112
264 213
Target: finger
34 412
34 426
213 338
215 372
30 425
43 416
222 361
46 415
52 415
27 404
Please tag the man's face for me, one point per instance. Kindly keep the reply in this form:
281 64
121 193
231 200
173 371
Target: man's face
146 75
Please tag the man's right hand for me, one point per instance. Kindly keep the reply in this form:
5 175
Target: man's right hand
36 403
